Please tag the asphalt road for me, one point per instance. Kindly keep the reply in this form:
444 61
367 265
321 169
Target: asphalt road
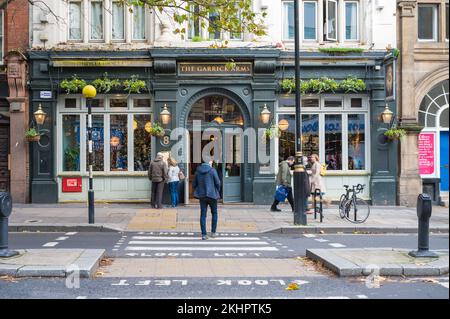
133 246
228 245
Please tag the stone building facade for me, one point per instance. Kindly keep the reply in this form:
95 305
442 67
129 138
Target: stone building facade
423 95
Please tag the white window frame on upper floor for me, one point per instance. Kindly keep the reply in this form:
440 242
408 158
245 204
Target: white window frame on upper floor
81 2
316 19
125 24
285 21
358 19
436 20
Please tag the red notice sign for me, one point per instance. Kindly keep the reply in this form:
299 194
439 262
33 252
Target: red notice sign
72 185
426 154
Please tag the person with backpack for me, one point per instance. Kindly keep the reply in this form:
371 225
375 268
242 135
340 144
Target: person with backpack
206 186
174 176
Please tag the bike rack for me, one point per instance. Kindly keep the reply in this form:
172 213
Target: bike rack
319 209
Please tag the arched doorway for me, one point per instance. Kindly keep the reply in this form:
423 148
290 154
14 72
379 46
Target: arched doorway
434 116
214 123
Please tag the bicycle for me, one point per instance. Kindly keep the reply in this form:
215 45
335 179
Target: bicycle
353 208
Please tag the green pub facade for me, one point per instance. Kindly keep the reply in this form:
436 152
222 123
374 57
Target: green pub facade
200 86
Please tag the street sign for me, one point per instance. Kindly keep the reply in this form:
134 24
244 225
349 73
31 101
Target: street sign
45 94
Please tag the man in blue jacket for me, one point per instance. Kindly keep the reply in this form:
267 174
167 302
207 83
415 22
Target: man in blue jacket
206 186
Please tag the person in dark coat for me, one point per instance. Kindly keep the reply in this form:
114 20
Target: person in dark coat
284 179
206 186
157 174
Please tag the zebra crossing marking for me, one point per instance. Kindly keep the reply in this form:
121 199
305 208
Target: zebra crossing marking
212 248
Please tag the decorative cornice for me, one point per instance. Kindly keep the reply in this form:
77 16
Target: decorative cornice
265 66
407 8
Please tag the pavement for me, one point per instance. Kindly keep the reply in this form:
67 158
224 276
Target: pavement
379 261
52 263
232 218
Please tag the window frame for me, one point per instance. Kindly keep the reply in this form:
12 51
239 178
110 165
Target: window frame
316 18
146 24
436 20
125 24
327 14
81 111
345 111
81 39
91 25
286 20
357 21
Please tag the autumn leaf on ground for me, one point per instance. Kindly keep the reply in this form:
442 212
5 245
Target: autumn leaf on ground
434 281
293 286
8 278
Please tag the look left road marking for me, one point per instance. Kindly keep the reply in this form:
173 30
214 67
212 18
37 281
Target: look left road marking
336 245
61 238
71 233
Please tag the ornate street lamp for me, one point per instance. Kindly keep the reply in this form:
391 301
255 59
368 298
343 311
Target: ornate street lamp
89 92
165 115
265 114
40 115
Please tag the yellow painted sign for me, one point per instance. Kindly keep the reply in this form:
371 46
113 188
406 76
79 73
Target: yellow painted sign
102 63
215 69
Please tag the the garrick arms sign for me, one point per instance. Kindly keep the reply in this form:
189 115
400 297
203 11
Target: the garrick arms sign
215 69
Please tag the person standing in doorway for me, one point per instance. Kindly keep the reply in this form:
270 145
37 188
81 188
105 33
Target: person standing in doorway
284 177
206 186
157 173
174 180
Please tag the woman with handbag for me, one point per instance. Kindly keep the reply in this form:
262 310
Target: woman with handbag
174 180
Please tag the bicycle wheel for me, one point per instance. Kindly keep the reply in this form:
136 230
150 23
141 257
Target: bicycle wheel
342 201
357 211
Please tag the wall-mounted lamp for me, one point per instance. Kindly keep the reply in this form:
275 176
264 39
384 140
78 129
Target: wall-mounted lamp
387 115
165 115
40 115
265 115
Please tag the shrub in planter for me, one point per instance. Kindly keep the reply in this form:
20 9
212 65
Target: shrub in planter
74 85
352 84
157 130
134 85
105 85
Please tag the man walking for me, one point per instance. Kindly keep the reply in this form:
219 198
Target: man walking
284 179
157 173
206 186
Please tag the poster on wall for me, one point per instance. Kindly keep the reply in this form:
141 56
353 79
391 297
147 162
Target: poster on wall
390 81
426 154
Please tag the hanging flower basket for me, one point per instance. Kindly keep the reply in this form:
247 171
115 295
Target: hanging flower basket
33 138
157 130
31 135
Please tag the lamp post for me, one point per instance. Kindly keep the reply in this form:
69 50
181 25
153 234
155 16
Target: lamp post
89 92
300 175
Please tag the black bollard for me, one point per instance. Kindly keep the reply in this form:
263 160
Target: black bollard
424 208
5 211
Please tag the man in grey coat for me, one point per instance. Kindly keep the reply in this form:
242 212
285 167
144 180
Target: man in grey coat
157 173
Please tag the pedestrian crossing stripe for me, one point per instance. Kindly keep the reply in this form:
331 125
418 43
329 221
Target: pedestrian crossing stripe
211 248
196 243
193 238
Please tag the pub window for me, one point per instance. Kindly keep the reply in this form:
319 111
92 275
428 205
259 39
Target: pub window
288 20
427 22
356 142
339 137
118 20
96 20
75 20
310 102
118 142
310 134
333 102
142 142
351 20
333 141
71 142
121 141
98 143
98 103
139 23
119 102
